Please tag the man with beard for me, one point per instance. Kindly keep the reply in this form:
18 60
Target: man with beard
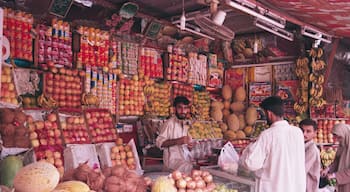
174 140
278 155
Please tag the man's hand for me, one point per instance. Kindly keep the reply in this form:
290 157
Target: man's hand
184 140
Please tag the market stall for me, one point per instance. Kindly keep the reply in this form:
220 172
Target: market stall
83 96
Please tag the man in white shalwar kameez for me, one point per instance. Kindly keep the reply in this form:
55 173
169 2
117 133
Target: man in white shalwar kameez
278 155
174 141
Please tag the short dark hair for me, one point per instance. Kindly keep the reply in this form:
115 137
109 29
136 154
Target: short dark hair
308 122
273 104
181 99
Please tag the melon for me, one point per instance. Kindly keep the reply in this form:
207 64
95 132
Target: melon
233 122
8 169
242 123
217 105
237 107
240 94
226 92
240 134
216 115
73 186
251 115
230 135
36 177
248 130
227 104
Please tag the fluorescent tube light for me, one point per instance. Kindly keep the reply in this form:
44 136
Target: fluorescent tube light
196 32
266 15
274 29
313 33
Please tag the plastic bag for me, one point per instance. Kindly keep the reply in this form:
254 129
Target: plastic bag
228 158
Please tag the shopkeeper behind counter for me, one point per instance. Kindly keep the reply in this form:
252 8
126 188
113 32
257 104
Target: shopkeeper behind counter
173 139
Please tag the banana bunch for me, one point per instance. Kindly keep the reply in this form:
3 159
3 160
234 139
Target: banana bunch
317 102
318 65
300 107
327 156
302 70
316 52
239 46
317 79
90 99
46 101
148 90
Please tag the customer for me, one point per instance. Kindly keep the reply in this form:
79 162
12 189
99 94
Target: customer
312 155
173 139
278 155
340 168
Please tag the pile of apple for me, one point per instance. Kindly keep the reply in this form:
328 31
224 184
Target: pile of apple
324 130
53 155
131 97
64 86
158 99
100 124
8 91
197 181
44 132
74 130
122 154
183 90
150 63
178 68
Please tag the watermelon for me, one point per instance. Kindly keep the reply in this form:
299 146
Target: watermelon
8 169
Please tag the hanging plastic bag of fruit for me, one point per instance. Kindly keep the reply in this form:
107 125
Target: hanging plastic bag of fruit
228 158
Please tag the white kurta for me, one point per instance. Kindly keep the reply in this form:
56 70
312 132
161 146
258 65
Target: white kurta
313 166
278 159
174 156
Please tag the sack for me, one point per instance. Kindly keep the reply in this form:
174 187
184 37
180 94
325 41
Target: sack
228 158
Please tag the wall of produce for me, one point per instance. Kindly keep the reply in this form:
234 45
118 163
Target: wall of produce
59 98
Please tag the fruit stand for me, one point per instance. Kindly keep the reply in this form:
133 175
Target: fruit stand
84 101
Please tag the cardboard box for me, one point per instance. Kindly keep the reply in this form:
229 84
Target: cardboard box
104 155
75 154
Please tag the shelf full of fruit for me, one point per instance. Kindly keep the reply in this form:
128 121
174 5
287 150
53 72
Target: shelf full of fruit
150 63
197 73
8 88
73 126
324 130
17 26
129 57
177 67
100 125
43 128
201 130
131 97
201 105
54 44
158 97
93 47
62 87
182 89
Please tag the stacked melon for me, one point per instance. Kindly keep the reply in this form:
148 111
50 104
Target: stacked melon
237 119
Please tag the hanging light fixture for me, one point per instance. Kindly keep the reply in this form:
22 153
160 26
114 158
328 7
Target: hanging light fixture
183 17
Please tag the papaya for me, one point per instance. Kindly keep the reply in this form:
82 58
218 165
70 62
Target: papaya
8 169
